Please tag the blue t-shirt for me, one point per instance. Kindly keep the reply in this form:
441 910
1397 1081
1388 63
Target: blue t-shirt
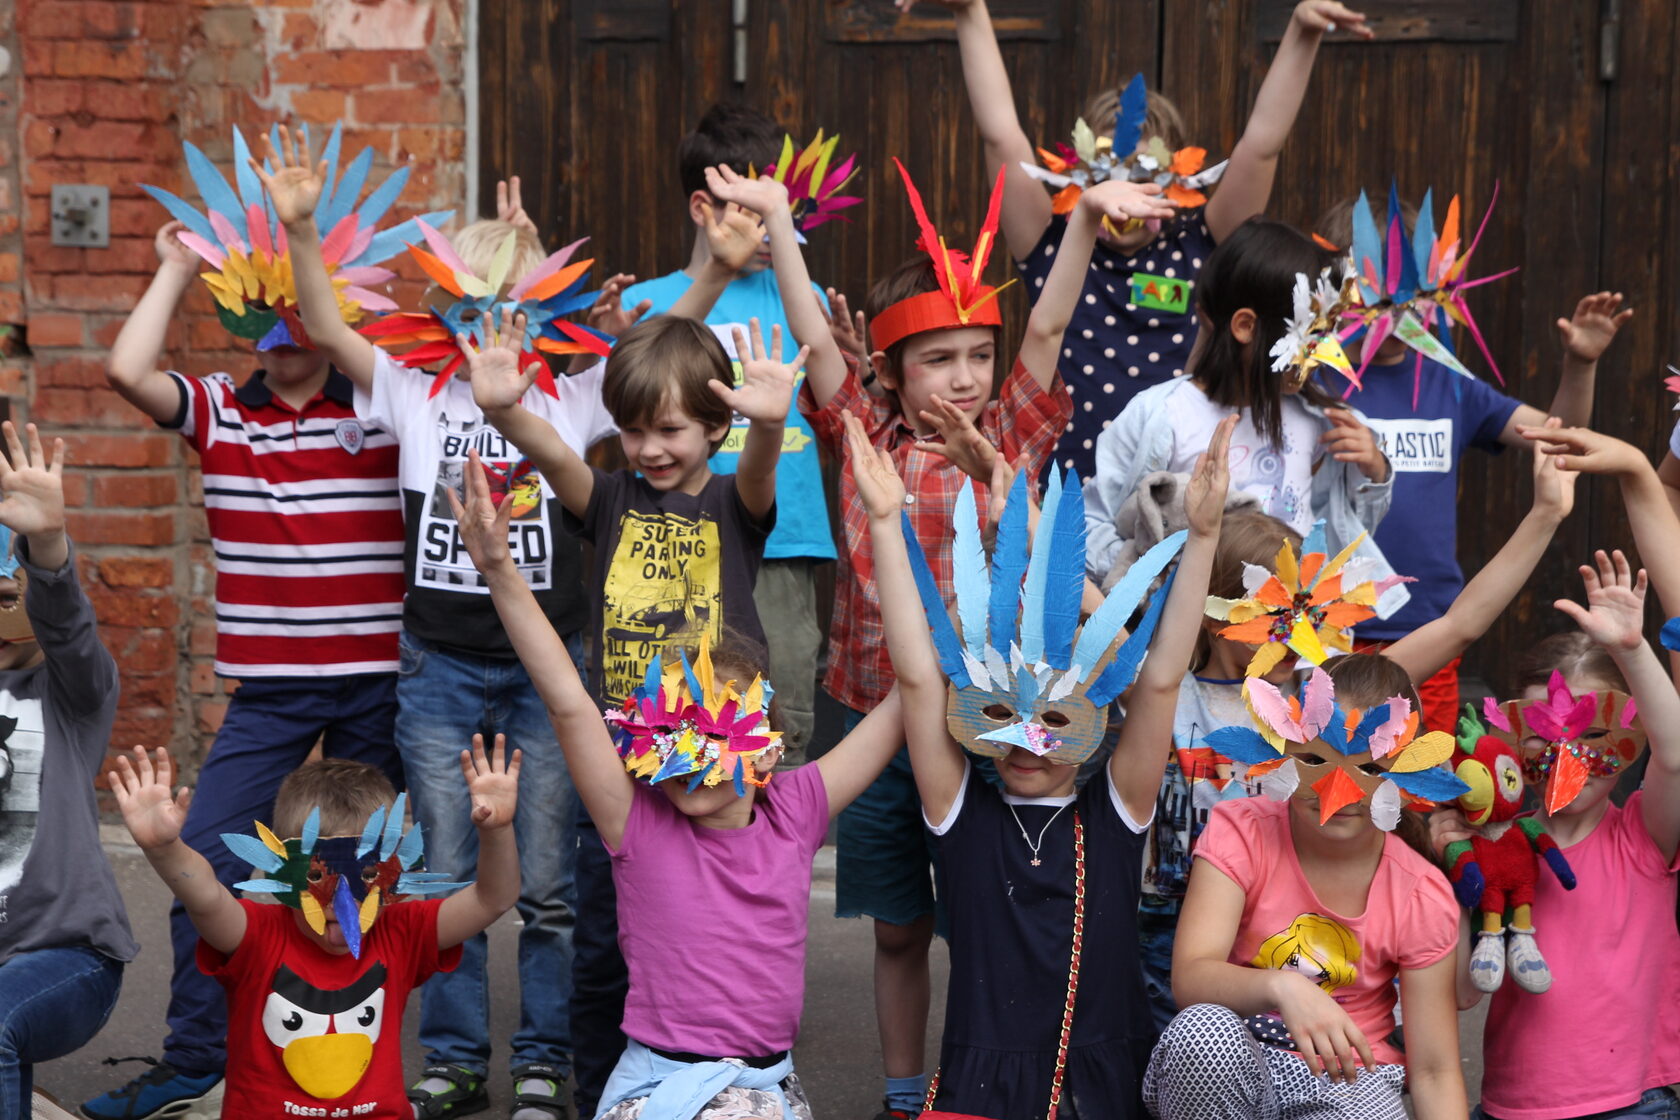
1133 328
801 509
1420 534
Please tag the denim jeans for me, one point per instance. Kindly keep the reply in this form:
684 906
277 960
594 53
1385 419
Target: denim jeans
52 1001
272 723
443 697
600 980
1660 1103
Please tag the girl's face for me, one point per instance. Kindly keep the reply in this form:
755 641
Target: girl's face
1351 822
1242 326
1025 774
717 806
671 449
1597 790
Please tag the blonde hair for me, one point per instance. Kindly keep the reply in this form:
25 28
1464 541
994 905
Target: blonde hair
1327 942
477 242
346 792
1161 117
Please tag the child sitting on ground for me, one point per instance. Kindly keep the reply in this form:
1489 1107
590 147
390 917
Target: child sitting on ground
698 832
316 988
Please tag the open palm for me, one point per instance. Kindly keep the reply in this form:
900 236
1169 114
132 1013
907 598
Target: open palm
1614 616
293 187
766 389
153 814
497 380
32 484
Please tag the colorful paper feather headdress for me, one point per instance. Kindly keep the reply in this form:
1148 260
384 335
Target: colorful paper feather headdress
814 183
1593 735
1307 605
684 722
1096 159
1413 288
1023 672
1312 337
550 291
1293 728
963 298
240 237
350 877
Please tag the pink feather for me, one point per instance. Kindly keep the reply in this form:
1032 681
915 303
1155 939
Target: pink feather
256 222
212 254
1477 240
1496 715
224 230
364 275
369 301
1272 709
1386 737
1481 343
334 244
1391 271
1318 705
543 271
442 249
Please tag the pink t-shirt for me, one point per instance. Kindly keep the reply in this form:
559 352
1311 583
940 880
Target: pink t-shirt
1410 919
1609 1028
712 921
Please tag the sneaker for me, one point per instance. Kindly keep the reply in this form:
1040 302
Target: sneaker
161 1093
1528 967
1487 961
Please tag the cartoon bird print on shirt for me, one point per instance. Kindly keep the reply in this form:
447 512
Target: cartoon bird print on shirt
325 1038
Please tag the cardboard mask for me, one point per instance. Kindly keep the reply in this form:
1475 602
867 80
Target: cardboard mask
1565 739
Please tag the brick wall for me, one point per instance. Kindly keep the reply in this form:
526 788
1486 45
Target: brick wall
104 92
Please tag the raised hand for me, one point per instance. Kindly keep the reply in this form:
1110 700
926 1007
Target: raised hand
170 251
763 195
1593 327
31 484
850 331
1614 616
1350 441
1586 451
733 234
509 208
877 481
960 441
1327 15
1204 498
1554 483
608 313
483 522
492 782
154 815
293 187
1119 201
497 381
766 389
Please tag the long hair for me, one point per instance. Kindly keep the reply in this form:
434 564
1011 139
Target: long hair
1254 268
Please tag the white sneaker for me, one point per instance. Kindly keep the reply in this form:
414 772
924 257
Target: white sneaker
1487 961
1528 967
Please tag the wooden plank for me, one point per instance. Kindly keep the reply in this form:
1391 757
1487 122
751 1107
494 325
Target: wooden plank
623 20
1415 21
877 21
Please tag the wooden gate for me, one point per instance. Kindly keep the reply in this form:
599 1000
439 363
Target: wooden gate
1569 105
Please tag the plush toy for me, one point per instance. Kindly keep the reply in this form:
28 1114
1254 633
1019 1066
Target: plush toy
1495 871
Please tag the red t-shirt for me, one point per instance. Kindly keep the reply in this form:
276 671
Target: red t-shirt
311 1033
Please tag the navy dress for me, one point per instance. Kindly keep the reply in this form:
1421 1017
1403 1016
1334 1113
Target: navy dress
1011 941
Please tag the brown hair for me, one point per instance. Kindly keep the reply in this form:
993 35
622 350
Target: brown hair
477 242
1335 225
667 359
1162 117
347 793
1571 653
1363 681
912 278
1246 536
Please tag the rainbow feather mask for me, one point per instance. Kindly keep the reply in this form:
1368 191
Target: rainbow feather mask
350 877
814 182
239 236
1593 735
550 291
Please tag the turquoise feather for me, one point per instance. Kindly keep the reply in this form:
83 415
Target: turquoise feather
1009 564
1064 588
1038 573
1122 599
968 573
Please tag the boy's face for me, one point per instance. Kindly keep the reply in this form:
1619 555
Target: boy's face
956 365
290 365
1025 774
671 449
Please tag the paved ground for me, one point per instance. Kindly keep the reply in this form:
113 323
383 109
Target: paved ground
838 1056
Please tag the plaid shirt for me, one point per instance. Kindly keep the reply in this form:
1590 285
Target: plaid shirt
1024 418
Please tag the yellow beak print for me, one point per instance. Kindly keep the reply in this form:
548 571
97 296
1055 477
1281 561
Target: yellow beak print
328 1065
325 1036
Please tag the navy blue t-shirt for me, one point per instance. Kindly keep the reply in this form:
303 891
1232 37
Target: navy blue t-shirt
1133 328
1420 534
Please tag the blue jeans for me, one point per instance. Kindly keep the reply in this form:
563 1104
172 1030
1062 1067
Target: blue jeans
600 980
271 726
52 1001
444 696
1659 1102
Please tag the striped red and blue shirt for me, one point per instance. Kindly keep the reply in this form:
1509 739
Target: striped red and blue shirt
306 523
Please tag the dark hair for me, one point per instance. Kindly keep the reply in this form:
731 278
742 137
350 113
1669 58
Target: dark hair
1571 653
345 791
729 134
912 278
1335 225
1254 268
667 358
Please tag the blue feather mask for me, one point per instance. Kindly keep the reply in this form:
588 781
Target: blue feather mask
1023 672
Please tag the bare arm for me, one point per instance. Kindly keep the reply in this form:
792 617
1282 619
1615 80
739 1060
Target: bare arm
731 239
935 758
1425 650
591 758
1433 1072
154 818
857 760
132 368
1668 471
1246 186
763 397
493 785
499 385
1140 757
1054 308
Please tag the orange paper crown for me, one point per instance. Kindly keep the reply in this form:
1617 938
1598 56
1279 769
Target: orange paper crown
963 299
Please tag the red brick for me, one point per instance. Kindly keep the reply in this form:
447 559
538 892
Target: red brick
90 292
139 650
102 139
143 491
133 606
54 97
424 104
76 486
136 218
11 306
66 372
146 726
351 69
48 329
202 640
146 529
56 19
137 571
299 30
89 59
209 715
203 680
9 265
105 330
149 691
318 105
44 256
150 449
81 408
